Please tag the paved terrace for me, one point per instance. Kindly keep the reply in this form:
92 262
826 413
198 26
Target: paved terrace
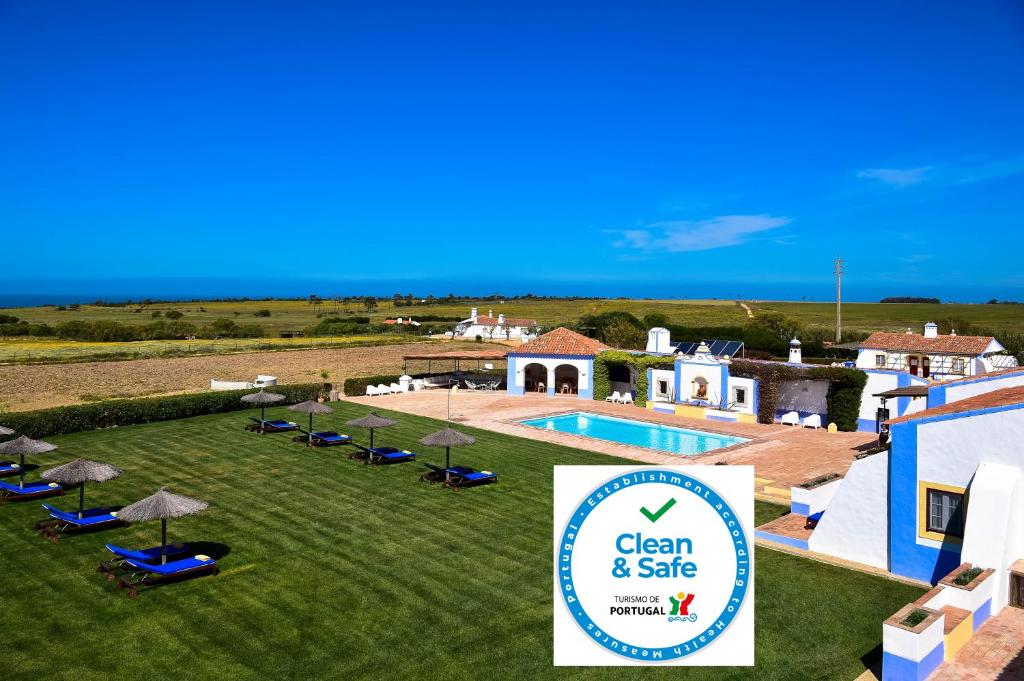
782 456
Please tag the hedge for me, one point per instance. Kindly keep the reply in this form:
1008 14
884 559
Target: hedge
641 363
79 417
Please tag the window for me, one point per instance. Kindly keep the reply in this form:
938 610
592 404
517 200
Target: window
740 396
662 388
945 512
958 365
879 360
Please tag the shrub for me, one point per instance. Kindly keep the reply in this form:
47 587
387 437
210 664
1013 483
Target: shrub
8 319
640 363
79 417
915 617
967 576
174 314
622 334
261 313
155 314
354 387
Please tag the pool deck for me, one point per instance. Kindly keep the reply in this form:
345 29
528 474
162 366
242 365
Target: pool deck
782 456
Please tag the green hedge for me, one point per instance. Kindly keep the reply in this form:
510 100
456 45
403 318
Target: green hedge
641 363
354 387
79 417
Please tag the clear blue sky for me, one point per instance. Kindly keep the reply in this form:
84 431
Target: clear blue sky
698 146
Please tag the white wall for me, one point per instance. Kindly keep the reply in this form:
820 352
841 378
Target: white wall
960 391
994 532
663 375
948 452
803 396
880 382
689 370
855 525
582 365
748 384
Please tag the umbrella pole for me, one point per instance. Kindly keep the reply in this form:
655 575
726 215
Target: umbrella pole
81 501
21 473
371 438
263 413
163 541
310 438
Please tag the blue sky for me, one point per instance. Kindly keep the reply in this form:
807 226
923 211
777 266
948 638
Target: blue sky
691 147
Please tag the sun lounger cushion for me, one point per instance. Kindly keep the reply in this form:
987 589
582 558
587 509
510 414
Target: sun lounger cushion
87 515
174 567
146 555
29 488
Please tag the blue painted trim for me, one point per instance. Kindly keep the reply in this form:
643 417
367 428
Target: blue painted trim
983 612
724 394
679 377
896 668
902 381
867 426
799 509
757 397
780 539
906 556
650 384
966 414
711 417
510 379
540 356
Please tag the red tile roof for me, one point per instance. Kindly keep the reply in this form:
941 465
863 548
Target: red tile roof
912 342
561 341
493 321
996 398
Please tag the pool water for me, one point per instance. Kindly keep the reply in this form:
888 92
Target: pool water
680 441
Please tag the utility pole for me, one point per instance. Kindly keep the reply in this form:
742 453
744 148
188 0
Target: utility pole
839 299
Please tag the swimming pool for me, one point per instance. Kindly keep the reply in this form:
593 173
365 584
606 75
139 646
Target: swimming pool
638 433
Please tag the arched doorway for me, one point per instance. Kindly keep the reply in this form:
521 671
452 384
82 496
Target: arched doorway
535 377
567 379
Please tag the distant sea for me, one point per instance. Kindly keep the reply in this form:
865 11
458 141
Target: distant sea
51 292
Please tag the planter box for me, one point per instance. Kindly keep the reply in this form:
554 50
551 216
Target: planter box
912 653
810 501
974 597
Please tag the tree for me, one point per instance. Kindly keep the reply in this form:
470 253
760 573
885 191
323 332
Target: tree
624 335
777 324
655 319
370 303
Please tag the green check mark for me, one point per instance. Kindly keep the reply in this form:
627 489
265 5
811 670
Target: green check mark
653 517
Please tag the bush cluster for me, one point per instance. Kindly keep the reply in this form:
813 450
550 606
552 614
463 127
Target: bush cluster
641 363
79 417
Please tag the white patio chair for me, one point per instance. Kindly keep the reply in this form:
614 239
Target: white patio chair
493 385
384 390
627 398
371 390
470 385
614 397
791 418
395 388
812 421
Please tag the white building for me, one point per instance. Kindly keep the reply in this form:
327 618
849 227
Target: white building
490 327
932 355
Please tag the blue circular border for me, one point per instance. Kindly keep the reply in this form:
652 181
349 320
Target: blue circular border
568 586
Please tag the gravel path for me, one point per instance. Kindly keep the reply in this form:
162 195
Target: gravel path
48 385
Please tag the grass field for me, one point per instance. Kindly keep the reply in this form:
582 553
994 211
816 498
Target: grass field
43 350
336 570
898 316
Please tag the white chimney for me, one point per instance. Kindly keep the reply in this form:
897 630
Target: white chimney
501 318
931 330
659 340
795 356
472 314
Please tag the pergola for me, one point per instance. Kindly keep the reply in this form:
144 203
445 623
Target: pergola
457 357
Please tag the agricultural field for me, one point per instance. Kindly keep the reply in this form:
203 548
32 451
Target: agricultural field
348 571
25 387
899 316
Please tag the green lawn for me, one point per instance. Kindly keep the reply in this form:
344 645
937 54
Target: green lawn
333 569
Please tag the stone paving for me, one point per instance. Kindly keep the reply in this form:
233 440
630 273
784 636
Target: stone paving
995 652
782 456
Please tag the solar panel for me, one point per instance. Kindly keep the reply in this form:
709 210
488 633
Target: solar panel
718 348
686 348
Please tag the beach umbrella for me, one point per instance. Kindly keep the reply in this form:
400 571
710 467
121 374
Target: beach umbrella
79 472
262 399
161 506
311 407
25 445
371 421
447 438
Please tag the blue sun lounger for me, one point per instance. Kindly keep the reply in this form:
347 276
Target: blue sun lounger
324 438
31 490
271 425
144 574
150 555
383 455
62 522
458 479
8 468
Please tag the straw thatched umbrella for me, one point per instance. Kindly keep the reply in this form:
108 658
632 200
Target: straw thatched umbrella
22 446
79 472
447 438
262 399
311 407
161 506
371 421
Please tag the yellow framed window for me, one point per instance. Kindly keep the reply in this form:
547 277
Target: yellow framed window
942 511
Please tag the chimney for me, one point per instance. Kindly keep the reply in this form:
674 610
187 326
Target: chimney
795 356
501 318
658 340
931 330
472 314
